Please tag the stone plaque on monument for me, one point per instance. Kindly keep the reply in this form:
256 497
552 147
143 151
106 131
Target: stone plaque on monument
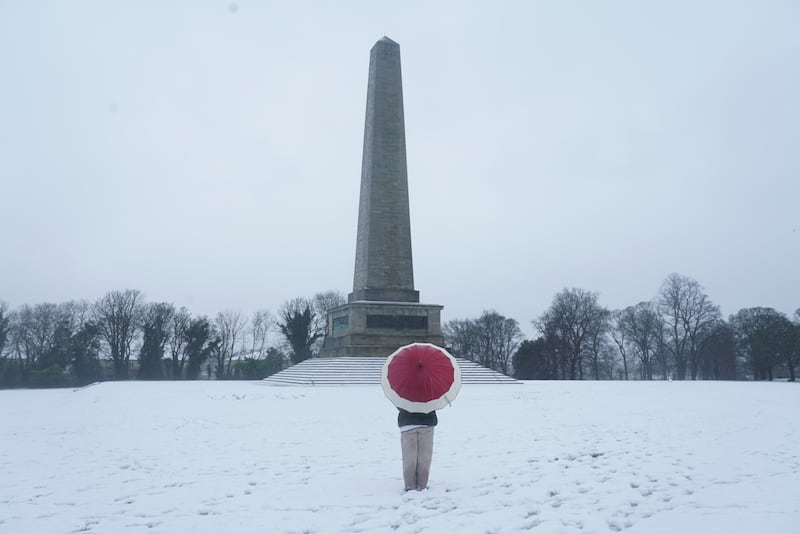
383 311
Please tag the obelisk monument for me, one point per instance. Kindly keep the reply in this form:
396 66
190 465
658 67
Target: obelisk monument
384 270
383 311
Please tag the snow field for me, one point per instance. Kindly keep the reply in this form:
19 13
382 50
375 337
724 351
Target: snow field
541 457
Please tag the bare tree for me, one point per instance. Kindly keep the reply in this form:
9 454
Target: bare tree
619 334
461 338
644 326
178 326
598 350
229 326
31 333
491 340
793 352
41 333
510 339
786 337
261 324
662 356
50 336
322 302
5 326
572 320
688 313
488 331
117 315
498 339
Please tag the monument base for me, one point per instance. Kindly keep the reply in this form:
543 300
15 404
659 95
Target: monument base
375 328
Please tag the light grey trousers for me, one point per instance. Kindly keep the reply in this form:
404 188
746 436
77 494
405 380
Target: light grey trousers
417 446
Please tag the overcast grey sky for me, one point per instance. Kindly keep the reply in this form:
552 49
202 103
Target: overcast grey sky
209 153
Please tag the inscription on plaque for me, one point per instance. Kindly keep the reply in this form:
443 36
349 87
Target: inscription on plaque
398 322
341 323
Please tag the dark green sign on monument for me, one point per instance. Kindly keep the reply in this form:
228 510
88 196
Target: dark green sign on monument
383 311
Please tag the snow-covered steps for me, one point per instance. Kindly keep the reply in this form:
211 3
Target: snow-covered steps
347 371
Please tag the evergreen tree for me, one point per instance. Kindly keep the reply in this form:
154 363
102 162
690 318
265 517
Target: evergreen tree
760 338
199 345
534 361
299 327
156 327
84 351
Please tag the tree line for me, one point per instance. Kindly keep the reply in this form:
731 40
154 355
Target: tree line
121 336
680 334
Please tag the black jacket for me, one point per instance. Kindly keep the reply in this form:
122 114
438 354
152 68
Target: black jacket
411 418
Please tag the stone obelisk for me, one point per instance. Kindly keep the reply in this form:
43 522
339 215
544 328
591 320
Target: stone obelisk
384 270
383 311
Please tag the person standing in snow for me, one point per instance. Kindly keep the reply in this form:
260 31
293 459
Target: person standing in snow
416 442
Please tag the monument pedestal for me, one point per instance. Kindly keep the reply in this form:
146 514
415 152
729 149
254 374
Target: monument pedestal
378 328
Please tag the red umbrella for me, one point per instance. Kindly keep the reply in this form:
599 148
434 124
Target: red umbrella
421 377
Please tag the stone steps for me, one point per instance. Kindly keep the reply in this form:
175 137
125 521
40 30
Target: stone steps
354 370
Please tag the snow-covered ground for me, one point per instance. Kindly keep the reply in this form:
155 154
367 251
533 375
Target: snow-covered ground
545 457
